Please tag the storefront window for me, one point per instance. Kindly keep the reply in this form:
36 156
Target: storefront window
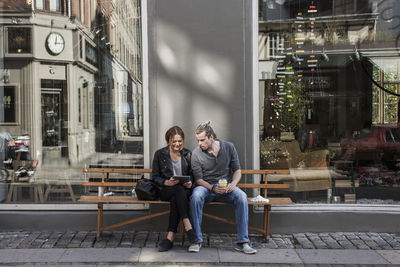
331 99
81 106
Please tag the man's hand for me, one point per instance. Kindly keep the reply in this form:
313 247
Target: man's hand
171 182
230 187
219 189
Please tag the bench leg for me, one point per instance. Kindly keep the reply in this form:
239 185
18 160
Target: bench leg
10 193
71 192
99 219
40 193
48 190
267 216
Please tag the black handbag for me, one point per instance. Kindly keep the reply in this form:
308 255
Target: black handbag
147 190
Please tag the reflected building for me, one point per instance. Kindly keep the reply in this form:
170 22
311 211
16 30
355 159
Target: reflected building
316 43
329 77
71 77
119 101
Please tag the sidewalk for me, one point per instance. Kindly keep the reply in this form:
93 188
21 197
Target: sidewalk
140 248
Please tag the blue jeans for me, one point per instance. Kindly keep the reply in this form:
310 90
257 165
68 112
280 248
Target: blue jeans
237 197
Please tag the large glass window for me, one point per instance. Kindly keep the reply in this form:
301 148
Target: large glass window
82 107
331 99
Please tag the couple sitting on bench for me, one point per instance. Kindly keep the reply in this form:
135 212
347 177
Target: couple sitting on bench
215 170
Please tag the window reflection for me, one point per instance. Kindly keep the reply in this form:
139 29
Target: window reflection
330 83
80 106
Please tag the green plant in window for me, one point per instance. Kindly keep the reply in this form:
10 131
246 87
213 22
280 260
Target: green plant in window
294 104
271 153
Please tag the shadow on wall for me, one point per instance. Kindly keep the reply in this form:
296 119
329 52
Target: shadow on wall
197 84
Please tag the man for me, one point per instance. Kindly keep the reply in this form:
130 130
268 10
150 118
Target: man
212 161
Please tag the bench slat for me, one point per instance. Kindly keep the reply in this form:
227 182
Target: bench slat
131 184
118 199
270 186
110 170
265 171
111 184
129 199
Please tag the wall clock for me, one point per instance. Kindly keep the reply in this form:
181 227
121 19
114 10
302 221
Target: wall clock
55 43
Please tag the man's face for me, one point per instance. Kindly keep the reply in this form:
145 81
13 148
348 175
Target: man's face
204 142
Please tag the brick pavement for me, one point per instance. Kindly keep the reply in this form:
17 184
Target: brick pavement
143 239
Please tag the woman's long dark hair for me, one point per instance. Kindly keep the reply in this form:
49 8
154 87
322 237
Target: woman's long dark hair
174 130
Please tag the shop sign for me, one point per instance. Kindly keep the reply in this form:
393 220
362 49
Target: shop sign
52 72
90 54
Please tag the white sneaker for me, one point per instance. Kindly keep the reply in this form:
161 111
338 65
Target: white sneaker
194 247
245 248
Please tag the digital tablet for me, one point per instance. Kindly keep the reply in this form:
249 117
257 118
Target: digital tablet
182 178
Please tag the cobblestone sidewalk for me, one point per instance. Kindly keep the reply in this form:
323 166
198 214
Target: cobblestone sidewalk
125 239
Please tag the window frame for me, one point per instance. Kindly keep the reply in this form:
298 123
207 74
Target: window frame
17 105
381 103
46 7
85 107
7 42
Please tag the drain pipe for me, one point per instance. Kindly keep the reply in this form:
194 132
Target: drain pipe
69 8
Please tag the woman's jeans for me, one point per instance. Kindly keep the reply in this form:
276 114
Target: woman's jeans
237 197
178 196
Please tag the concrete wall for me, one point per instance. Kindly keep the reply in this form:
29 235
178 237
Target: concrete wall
281 221
200 68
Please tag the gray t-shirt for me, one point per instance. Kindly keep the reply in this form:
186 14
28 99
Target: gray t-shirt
177 167
210 168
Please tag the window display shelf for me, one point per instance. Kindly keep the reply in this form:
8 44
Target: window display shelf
378 192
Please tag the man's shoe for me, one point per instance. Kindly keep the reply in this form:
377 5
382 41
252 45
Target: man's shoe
165 245
194 247
245 248
191 236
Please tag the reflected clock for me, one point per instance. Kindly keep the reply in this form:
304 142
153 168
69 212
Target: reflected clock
55 43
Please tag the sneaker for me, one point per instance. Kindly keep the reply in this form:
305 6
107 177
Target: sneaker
165 245
194 247
245 248
191 236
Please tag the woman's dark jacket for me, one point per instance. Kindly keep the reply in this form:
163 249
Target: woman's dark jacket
162 165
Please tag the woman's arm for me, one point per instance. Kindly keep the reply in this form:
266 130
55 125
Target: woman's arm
188 170
156 170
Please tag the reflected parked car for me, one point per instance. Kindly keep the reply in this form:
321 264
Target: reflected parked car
377 143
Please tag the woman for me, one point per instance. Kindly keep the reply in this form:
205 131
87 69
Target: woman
168 162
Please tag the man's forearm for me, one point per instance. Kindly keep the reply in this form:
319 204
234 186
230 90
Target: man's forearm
237 175
204 184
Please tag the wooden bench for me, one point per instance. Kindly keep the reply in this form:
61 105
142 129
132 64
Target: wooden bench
100 199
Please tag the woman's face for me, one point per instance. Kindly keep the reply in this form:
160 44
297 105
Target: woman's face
176 143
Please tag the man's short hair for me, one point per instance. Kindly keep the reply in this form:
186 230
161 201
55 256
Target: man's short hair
205 127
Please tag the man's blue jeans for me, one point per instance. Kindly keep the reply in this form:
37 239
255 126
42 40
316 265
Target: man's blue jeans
237 197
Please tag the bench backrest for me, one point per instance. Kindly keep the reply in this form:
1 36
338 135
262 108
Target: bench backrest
105 183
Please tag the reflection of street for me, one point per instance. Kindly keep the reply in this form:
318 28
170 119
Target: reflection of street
62 171
59 181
